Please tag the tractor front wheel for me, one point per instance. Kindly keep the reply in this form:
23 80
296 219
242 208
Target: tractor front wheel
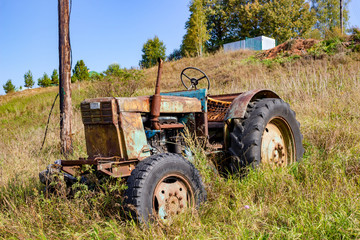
163 185
268 134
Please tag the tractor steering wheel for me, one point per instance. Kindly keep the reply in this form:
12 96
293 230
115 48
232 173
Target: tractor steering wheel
193 81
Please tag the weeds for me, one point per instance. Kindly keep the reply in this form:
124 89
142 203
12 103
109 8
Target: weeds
317 198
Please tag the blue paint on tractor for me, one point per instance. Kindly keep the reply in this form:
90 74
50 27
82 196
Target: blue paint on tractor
200 94
150 133
186 118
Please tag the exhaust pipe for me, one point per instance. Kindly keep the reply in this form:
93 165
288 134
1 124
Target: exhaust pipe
156 100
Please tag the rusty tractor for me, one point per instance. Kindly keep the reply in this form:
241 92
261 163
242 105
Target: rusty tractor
140 139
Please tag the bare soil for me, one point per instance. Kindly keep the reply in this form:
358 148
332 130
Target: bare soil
289 48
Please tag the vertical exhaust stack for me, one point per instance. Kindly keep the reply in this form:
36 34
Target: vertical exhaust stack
156 100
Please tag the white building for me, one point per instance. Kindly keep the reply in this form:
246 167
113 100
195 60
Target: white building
257 43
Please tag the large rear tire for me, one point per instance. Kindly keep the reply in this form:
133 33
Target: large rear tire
269 133
163 185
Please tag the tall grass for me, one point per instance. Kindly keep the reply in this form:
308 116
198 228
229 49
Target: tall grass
317 198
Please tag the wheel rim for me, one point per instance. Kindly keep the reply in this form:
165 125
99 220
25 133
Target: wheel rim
277 143
172 196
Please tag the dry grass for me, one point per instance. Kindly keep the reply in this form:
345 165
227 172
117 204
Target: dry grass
318 198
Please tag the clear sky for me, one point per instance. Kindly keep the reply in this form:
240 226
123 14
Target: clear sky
102 32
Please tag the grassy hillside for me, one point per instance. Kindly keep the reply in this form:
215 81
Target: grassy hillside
317 198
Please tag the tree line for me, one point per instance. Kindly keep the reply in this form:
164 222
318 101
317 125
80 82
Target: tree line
213 23
80 72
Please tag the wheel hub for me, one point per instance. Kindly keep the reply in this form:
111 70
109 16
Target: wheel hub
275 145
172 195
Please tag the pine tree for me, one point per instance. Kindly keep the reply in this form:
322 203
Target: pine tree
55 78
45 81
28 77
196 30
80 72
9 87
152 50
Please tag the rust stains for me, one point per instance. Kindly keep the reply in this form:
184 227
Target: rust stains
239 105
169 104
134 135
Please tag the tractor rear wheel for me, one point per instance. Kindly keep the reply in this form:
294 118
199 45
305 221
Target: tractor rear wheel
163 185
268 134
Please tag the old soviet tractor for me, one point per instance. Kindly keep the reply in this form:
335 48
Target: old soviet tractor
140 139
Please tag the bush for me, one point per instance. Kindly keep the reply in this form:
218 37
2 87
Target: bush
335 33
329 47
117 82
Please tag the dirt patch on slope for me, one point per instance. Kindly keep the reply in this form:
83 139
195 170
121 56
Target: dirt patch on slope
289 48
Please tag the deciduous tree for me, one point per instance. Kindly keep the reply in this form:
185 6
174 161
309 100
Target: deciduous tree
231 20
328 14
152 50
196 30
218 24
280 19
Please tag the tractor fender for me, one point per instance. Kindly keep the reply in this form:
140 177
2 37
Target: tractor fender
239 105
237 108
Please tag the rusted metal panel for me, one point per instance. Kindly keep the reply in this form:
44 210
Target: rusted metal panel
217 110
134 104
102 140
169 104
239 105
71 169
117 169
172 104
133 132
99 112
102 135
200 94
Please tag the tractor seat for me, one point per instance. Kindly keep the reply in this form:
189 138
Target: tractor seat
217 109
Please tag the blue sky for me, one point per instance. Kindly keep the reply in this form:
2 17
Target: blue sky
102 32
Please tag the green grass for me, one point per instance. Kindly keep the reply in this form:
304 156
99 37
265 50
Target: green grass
317 198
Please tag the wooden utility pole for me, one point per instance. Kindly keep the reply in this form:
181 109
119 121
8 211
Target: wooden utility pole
341 17
65 78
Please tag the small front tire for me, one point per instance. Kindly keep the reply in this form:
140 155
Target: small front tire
163 185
